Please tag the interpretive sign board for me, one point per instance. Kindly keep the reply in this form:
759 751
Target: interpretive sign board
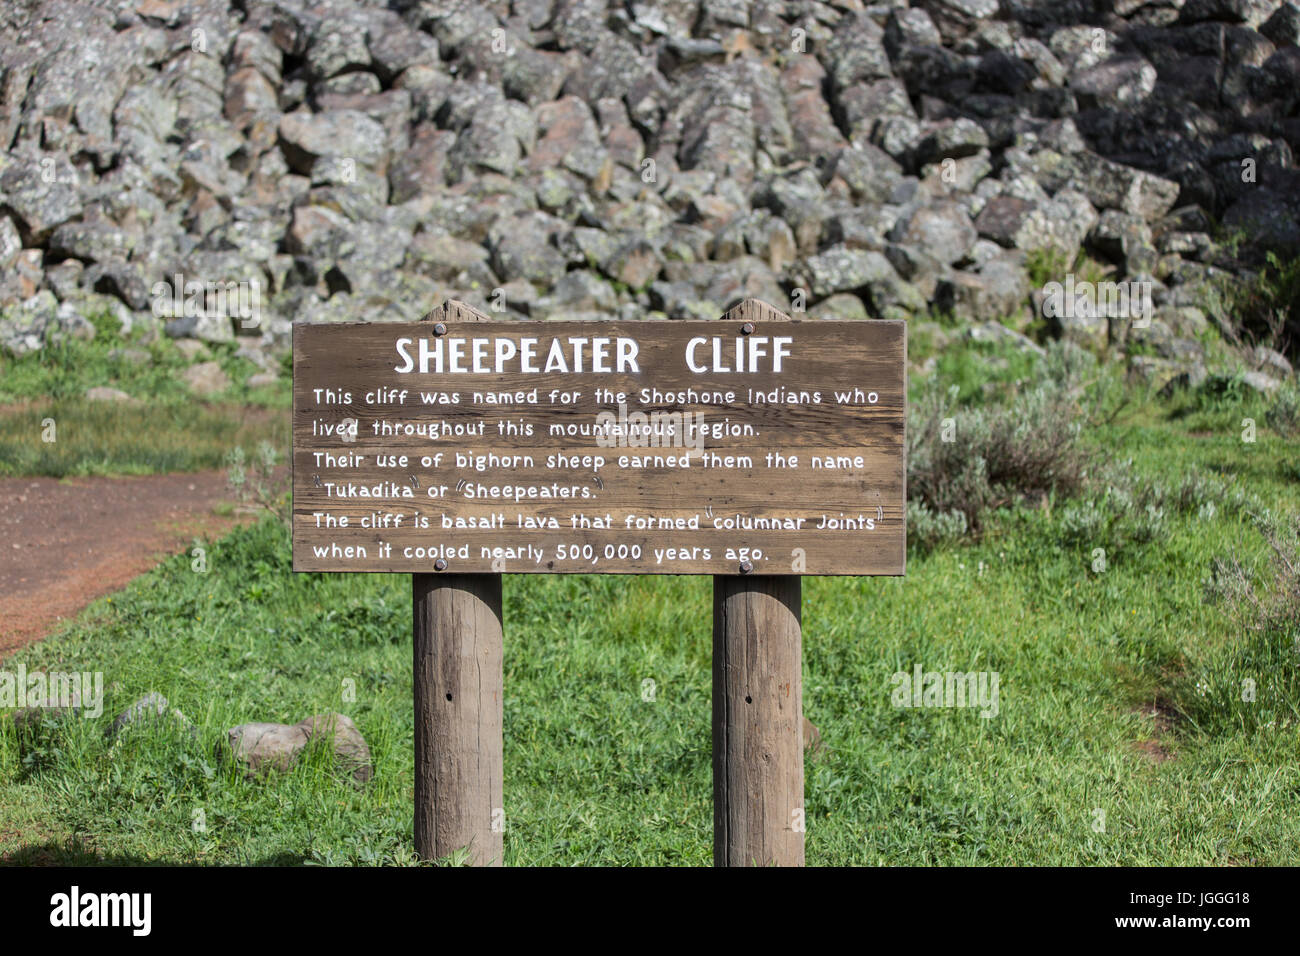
659 447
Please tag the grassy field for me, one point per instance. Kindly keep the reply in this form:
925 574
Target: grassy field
113 438
1122 735
163 428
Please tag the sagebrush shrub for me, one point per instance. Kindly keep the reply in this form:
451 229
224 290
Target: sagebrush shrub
1255 683
972 460
1283 415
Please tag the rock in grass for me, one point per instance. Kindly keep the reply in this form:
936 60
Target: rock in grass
103 393
262 747
152 708
28 719
129 356
811 736
206 378
350 748
52 704
1272 361
1260 382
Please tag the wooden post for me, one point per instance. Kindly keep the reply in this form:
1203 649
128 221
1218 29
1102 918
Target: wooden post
758 811
458 666
458 649
459 767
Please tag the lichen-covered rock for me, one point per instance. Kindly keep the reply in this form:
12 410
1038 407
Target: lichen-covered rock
841 269
265 747
870 173
1120 82
1111 185
206 379
40 191
522 248
23 327
361 160
943 230
345 134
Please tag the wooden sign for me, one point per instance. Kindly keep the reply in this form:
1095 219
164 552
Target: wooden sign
669 447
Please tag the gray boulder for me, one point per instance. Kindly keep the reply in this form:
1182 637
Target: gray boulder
841 269
943 230
205 379
151 709
41 191
264 747
343 134
1120 82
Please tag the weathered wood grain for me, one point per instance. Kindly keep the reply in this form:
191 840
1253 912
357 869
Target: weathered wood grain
459 714
458 647
355 363
453 310
758 806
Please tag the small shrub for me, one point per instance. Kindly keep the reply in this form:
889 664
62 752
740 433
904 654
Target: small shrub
974 460
1257 683
1283 415
1221 390
1279 608
1116 509
1261 307
1083 521
927 529
257 484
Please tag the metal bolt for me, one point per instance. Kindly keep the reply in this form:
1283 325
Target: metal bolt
747 328
746 567
440 565
440 329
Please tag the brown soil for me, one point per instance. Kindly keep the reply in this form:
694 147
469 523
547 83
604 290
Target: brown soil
64 543
1153 751
1164 718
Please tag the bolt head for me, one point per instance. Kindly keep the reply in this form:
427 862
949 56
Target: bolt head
747 328
746 567
440 328
440 564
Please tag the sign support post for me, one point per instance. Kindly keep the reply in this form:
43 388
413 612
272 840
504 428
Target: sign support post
758 812
458 648
459 764
756 449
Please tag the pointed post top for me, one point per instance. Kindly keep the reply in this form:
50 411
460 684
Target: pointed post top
453 310
755 310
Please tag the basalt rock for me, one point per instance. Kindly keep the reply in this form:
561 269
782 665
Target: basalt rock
265 747
360 158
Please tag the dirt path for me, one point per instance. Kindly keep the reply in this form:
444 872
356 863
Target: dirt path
64 543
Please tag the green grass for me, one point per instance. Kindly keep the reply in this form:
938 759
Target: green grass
1050 264
164 429
981 370
111 438
594 774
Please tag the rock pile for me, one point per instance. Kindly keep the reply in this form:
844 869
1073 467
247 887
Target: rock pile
288 160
